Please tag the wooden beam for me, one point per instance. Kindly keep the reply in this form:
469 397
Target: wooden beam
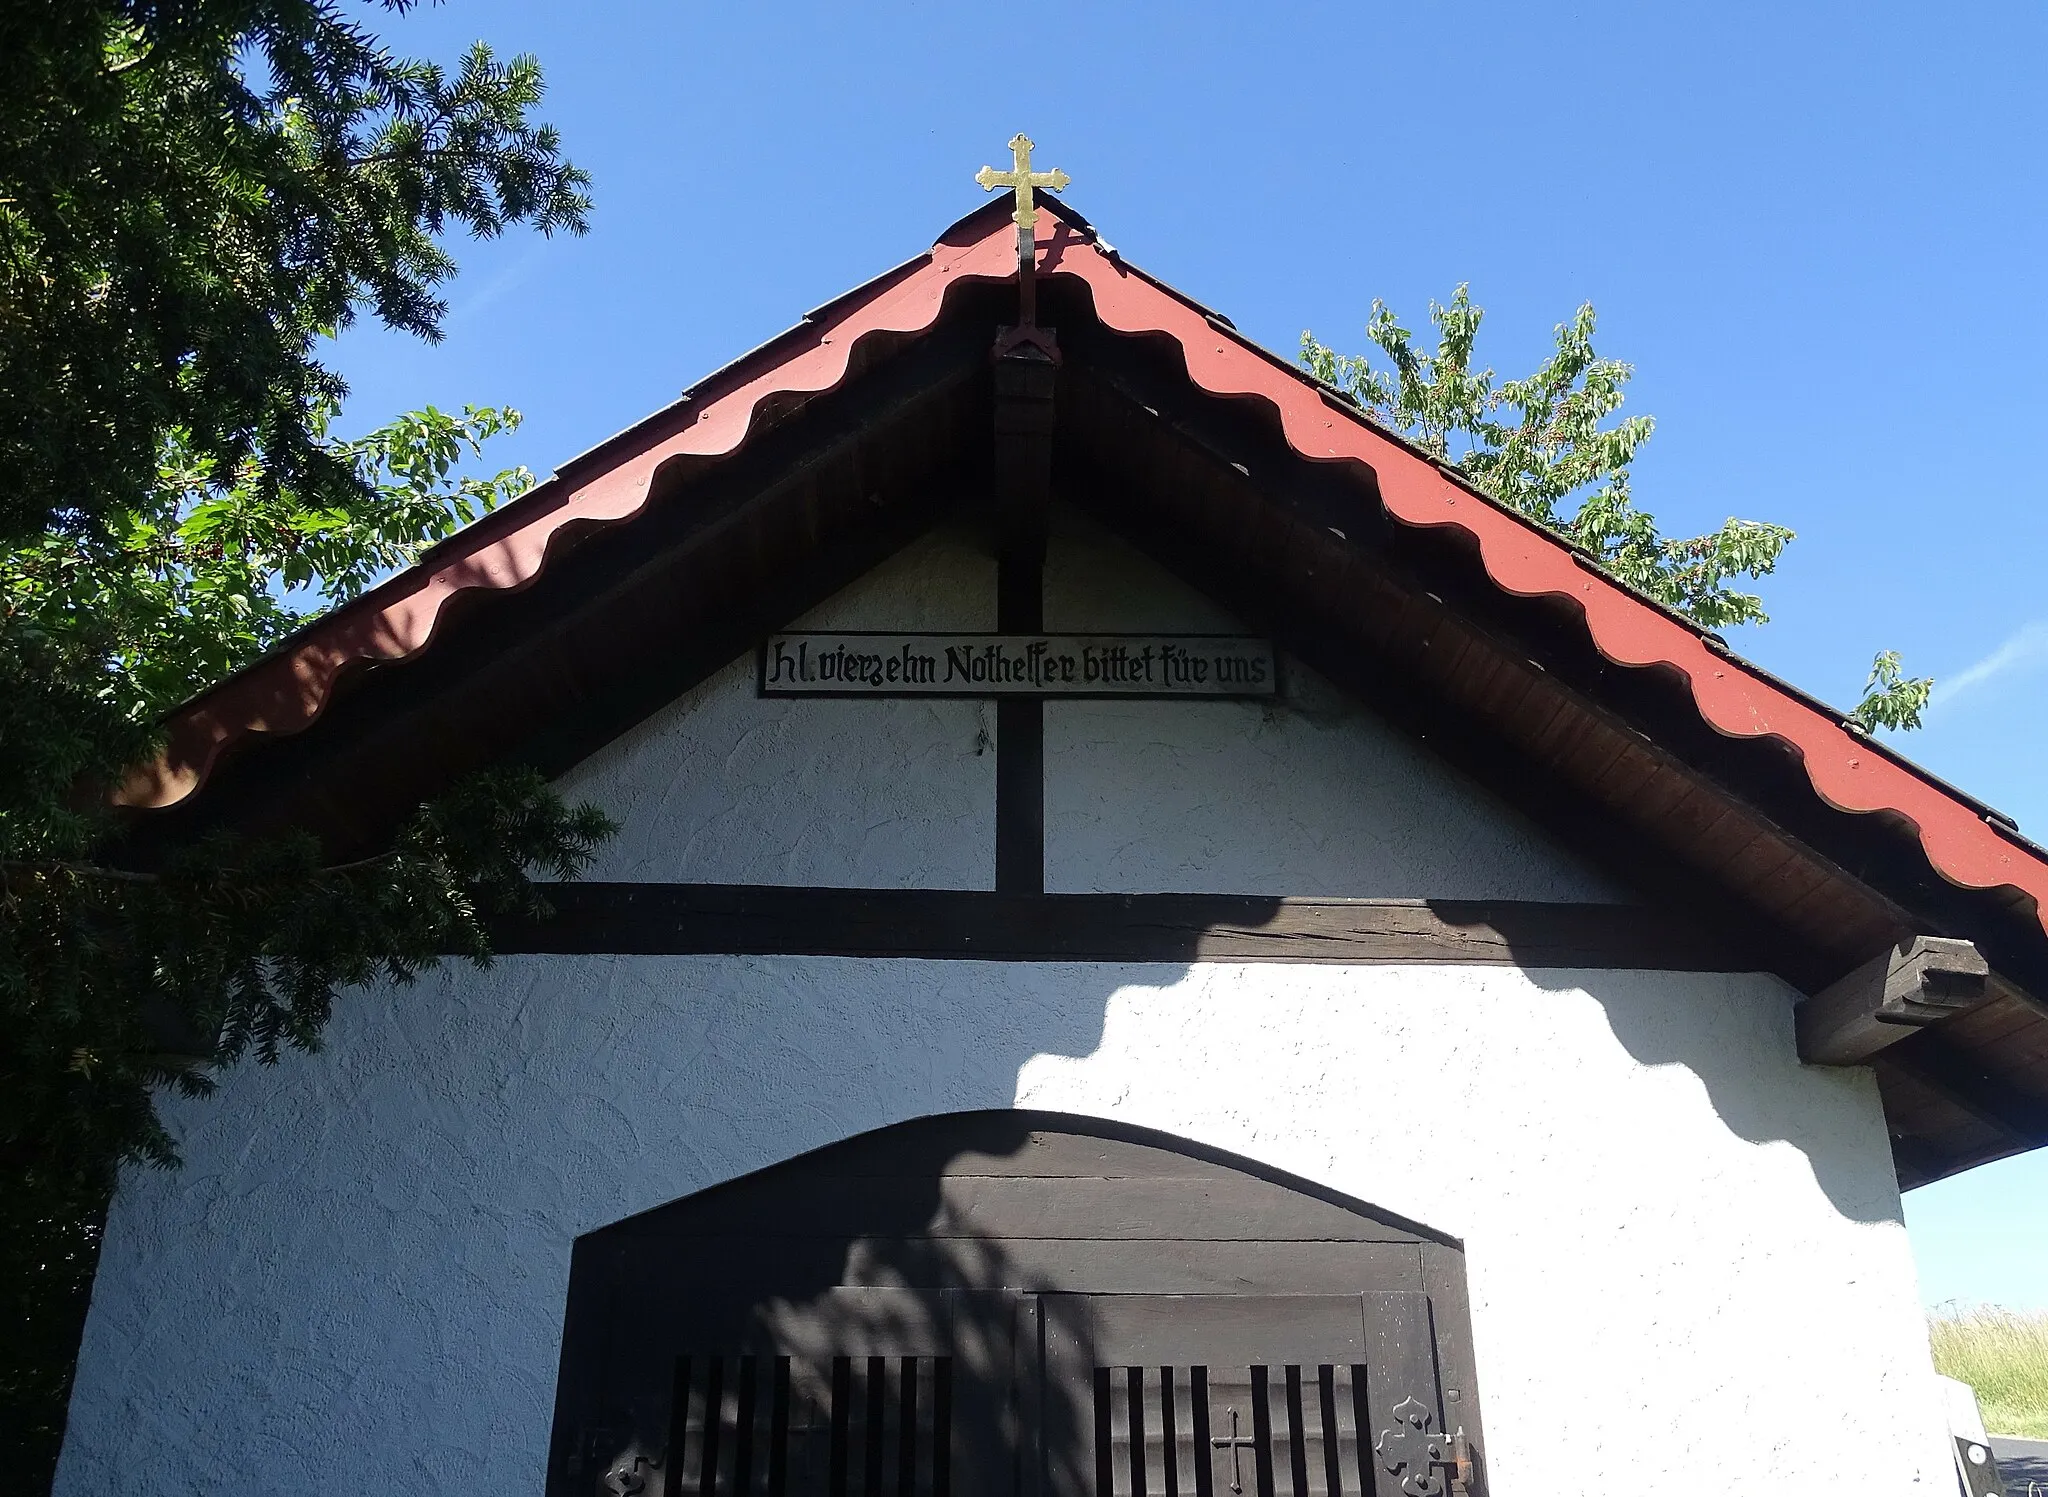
1025 381
1915 1161
767 920
1915 983
1956 1077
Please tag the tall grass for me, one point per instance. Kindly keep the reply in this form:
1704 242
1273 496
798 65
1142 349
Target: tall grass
2004 1356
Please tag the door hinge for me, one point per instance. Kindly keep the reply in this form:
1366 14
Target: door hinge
1458 1462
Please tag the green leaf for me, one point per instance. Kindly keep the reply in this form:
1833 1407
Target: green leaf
1891 699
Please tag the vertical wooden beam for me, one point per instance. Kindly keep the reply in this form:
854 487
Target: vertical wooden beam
1020 796
1023 495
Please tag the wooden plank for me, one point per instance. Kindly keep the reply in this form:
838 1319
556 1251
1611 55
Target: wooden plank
1622 781
1736 844
1006 1143
1443 1279
1958 1078
924 1158
1659 794
1449 644
1915 1161
1996 1021
770 920
1562 736
1915 1110
1596 754
1418 618
1226 1330
1799 895
1912 984
1111 1267
1401 1373
1491 685
1019 1142
2023 1054
1225 1207
1518 695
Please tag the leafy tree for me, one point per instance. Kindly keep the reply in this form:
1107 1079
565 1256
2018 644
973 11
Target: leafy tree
243 943
194 195
1542 446
197 576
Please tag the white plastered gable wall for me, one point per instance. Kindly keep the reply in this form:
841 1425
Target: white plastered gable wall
1687 1267
1314 795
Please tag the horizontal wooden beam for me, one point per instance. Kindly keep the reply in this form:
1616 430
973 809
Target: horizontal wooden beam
770 920
1888 997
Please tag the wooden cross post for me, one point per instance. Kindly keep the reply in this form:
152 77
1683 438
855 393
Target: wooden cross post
1023 179
1025 357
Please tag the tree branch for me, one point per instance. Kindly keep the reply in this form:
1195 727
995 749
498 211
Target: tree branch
86 870
12 866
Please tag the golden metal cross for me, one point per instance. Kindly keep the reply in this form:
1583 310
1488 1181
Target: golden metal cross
1023 178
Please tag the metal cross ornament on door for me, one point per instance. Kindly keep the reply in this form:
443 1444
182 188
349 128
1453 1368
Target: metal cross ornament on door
1411 1451
1234 1443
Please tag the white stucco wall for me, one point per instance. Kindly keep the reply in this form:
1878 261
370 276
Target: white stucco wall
1310 795
1688 1272
723 786
1313 794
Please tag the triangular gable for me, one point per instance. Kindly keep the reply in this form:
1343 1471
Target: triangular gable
1989 883
287 690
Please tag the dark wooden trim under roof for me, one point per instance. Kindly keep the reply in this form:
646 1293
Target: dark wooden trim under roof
1638 739
977 925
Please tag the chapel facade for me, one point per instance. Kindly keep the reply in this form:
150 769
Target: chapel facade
1159 943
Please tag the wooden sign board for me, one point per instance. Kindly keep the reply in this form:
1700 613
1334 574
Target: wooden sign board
1206 666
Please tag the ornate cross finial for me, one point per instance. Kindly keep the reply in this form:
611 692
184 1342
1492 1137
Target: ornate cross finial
1023 178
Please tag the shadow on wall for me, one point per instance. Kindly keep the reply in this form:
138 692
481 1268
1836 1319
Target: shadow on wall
1745 1057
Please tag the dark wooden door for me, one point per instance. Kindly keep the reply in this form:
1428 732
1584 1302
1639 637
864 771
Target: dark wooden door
1247 1396
1012 1305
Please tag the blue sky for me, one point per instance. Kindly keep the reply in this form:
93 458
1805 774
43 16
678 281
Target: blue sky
1816 229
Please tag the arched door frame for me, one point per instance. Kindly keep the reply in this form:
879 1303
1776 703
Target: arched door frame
1018 1243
